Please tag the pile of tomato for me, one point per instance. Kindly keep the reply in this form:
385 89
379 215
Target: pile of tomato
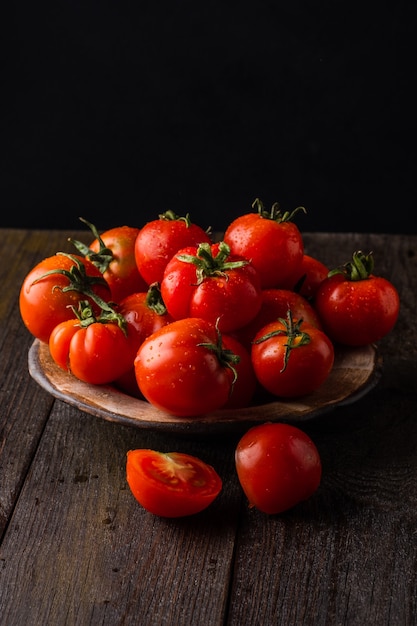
193 325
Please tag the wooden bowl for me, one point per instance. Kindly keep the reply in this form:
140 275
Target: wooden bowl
355 372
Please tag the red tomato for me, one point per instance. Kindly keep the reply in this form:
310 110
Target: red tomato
144 312
275 304
160 239
210 283
271 241
55 285
113 252
355 306
278 466
171 484
245 385
291 358
183 368
96 354
312 273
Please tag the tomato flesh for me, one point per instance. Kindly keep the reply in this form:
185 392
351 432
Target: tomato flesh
171 484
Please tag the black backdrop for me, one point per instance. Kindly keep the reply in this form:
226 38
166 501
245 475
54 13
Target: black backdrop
118 111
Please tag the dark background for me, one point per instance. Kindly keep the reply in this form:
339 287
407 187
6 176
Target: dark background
118 111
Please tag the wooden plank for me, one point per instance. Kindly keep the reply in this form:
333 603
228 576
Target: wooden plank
80 550
24 405
348 555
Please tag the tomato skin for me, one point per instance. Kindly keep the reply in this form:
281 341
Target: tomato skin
307 368
171 484
312 273
275 249
122 275
142 321
246 384
44 304
359 312
97 354
275 304
278 466
159 240
231 298
179 376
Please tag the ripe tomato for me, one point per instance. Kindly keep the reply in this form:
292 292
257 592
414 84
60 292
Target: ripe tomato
97 353
312 273
278 466
53 286
173 484
271 241
144 312
113 252
183 368
275 304
291 358
246 384
355 306
209 282
160 239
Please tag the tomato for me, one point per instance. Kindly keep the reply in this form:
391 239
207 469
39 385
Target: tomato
246 384
291 358
355 306
278 466
96 353
171 484
312 273
183 368
53 286
209 282
113 252
271 241
144 312
275 304
160 239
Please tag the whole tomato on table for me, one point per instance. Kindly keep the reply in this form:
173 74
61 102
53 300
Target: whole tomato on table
171 484
211 283
161 238
185 369
291 358
278 466
54 286
355 306
271 240
113 252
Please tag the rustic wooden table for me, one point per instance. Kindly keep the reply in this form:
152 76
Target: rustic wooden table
77 549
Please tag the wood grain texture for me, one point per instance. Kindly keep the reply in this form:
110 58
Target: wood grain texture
77 549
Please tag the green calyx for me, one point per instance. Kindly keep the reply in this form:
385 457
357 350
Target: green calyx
291 330
154 299
108 315
208 265
171 216
360 268
226 357
275 213
103 257
79 281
